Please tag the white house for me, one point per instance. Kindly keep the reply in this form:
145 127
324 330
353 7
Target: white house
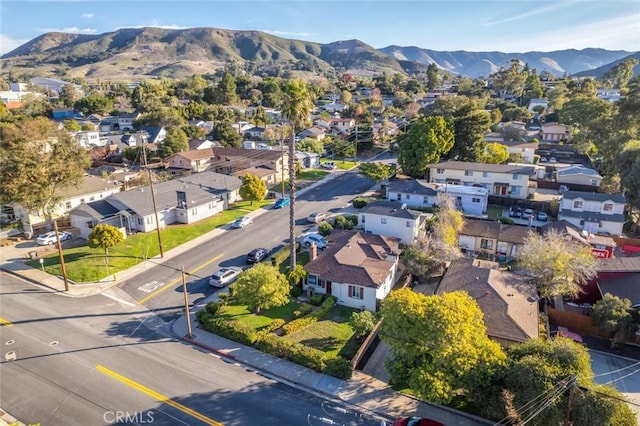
610 95
359 269
391 219
125 120
578 174
88 139
594 212
504 180
472 200
91 188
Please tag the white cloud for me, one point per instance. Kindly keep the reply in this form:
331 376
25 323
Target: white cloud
75 30
87 15
156 24
7 44
286 33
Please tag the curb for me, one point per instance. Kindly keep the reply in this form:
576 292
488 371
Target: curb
207 347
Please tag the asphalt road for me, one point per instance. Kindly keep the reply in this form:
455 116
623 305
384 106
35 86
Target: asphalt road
95 361
160 287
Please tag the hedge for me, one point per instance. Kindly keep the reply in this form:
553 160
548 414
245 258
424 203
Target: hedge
359 203
294 352
326 307
338 367
298 324
316 299
232 330
282 254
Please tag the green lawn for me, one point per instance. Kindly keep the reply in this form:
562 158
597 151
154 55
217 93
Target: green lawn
241 314
85 264
311 175
494 212
331 337
345 164
308 176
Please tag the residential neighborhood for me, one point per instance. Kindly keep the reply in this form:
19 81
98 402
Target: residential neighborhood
361 232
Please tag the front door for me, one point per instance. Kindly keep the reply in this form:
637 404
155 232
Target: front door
329 287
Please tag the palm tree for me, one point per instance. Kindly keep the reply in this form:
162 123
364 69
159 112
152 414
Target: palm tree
296 107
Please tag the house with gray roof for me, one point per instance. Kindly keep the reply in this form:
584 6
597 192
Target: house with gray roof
492 238
392 219
595 212
358 268
508 302
187 199
502 180
578 174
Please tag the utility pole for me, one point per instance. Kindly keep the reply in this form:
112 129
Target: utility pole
355 148
153 196
570 400
62 265
282 163
186 303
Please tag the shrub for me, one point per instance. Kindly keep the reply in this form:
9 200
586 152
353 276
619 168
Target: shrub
306 309
232 291
307 356
326 306
295 291
202 317
362 323
316 299
224 298
359 202
297 324
297 313
506 220
338 367
212 308
233 330
275 324
325 229
274 345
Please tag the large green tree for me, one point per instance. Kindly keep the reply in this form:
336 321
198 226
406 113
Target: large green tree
261 287
38 164
296 107
424 143
311 145
437 343
226 135
496 153
614 315
104 237
620 74
375 171
94 104
253 188
175 141
557 266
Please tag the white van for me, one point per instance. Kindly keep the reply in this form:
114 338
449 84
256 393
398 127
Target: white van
328 165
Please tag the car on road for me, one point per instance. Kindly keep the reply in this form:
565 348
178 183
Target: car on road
257 255
528 214
50 237
316 217
282 202
416 421
241 222
330 165
224 276
315 238
542 216
515 212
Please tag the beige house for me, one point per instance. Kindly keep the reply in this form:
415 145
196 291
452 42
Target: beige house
503 180
555 132
197 160
492 239
231 160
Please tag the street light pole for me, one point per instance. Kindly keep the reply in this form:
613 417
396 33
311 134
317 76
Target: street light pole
62 265
186 303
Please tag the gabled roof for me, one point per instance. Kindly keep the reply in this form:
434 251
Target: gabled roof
95 210
484 167
412 186
577 169
259 154
507 300
592 216
389 208
356 258
256 171
88 185
595 196
481 228
619 264
196 154
625 287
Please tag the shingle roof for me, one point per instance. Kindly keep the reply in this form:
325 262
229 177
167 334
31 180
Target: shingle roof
626 287
592 216
88 185
594 196
411 186
619 264
196 154
507 300
389 208
95 210
355 258
577 169
484 167
481 228
261 154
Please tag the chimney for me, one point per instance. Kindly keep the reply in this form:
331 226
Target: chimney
313 251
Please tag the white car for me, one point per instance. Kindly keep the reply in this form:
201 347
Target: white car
316 217
315 238
328 165
50 237
242 221
224 276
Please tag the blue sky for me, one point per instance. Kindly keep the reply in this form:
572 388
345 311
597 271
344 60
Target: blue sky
472 25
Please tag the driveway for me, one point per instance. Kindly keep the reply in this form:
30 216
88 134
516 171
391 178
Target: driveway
621 372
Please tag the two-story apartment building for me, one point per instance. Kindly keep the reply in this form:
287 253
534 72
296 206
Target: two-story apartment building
577 174
491 238
502 180
125 120
471 200
231 160
596 213
392 219
196 160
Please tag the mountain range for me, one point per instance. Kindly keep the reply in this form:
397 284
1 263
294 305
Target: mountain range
134 54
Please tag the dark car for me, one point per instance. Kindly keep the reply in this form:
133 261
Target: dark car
515 212
416 421
256 255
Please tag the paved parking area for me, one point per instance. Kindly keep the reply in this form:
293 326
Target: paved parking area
522 221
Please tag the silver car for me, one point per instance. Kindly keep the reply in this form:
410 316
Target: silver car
224 276
50 237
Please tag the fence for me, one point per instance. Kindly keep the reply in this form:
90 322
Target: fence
574 321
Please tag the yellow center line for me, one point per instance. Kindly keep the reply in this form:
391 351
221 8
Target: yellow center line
158 396
6 323
177 280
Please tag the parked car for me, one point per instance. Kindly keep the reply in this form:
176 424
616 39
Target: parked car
316 217
542 216
328 165
515 212
315 238
224 276
416 421
256 255
50 237
241 222
528 214
282 202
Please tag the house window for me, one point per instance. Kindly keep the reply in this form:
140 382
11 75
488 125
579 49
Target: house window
408 224
607 207
312 280
67 205
383 220
475 200
356 292
515 176
399 197
93 198
594 182
194 211
149 220
407 196
468 172
577 204
486 244
581 222
515 190
440 171
139 221
81 200
485 174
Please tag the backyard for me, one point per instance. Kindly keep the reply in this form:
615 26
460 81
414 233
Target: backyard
84 264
